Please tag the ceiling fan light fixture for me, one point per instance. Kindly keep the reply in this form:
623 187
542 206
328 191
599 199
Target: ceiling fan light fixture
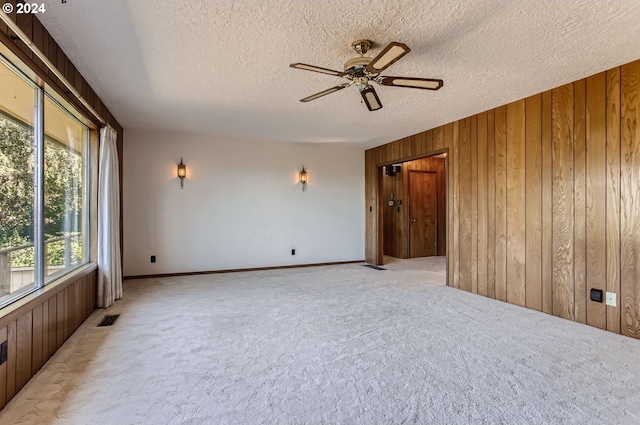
370 98
362 70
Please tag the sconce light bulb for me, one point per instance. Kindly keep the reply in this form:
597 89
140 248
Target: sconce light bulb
182 172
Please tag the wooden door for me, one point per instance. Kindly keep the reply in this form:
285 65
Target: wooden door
423 213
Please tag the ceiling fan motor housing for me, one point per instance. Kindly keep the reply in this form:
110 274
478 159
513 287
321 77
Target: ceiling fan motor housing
356 66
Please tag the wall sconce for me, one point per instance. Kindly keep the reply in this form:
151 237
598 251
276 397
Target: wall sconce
304 176
182 173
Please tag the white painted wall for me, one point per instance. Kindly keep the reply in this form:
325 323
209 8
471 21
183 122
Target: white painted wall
241 206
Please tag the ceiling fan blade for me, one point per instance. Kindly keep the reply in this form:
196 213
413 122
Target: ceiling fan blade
413 83
387 57
324 92
306 67
371 98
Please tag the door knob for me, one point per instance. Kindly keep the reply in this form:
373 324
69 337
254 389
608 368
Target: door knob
413 220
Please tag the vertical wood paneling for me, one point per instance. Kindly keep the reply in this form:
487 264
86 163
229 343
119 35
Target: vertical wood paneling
5 30
71 305
407 145
579 202
370 213
533 199
4 27
563 214
438 138
501 203
630 201
60 309
32 337
455 204
378 219
447 130
416 145
442 207
613 195
52 337
464 204
3 371
544 199
45 333
404 215
25 23
516 237
52 55
38 40
392 216
452 244
65 314
93 287
77 306
547 205
474 204
36 348
24 341
491 204
482 204
61 65
11 360
83 300
428 142
596 174
12 15
394 234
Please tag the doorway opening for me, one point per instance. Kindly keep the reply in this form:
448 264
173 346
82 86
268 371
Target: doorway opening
413 209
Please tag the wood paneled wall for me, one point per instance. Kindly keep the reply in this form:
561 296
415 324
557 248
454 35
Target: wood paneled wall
396 218
36 330
544 199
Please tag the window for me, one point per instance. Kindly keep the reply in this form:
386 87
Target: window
65 142
43 185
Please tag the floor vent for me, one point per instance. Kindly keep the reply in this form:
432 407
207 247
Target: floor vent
371 266
109 320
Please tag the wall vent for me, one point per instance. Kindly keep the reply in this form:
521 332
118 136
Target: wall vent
109 320
371 266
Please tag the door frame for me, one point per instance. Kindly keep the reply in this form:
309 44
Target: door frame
379 207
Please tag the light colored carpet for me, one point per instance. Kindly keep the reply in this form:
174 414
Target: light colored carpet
330 345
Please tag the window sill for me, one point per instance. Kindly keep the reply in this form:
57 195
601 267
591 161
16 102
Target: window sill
27 302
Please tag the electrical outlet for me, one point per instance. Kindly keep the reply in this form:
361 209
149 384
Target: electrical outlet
293 252
153 258
611 299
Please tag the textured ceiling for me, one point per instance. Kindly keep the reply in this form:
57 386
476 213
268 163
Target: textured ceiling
221 67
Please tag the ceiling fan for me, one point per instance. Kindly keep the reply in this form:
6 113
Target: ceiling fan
360 71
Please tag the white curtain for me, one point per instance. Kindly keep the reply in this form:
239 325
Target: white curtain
109 267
